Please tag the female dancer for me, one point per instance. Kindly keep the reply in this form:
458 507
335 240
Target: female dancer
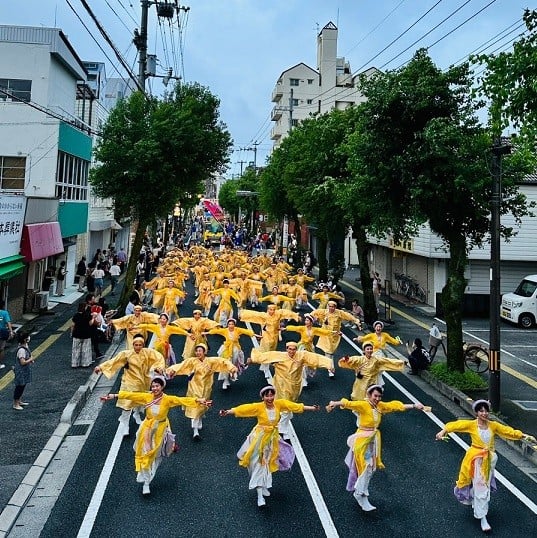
263 452
379 339
225 308
163 331
231 348
307 333
476 475
196 326
364 456
172 296
153 436
200 371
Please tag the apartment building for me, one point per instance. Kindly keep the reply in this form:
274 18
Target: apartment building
301 91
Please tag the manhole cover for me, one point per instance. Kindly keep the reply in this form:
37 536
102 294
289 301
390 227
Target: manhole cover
527 405
78 429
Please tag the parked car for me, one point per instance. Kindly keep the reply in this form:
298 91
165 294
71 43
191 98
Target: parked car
521 306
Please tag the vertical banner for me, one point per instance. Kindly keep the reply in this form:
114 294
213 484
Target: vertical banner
12 210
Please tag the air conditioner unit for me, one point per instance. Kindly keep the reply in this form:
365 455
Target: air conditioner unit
41 300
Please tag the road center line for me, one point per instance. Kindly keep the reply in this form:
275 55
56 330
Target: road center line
318 501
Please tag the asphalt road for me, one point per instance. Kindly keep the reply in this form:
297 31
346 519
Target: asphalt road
201 491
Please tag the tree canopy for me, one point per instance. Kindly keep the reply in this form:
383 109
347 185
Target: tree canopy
155 152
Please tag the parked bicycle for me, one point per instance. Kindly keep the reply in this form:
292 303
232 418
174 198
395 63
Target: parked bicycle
410 288
476 357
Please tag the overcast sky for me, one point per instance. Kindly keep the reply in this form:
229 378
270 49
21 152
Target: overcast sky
238 48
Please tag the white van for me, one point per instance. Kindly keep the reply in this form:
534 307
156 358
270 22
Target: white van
521 306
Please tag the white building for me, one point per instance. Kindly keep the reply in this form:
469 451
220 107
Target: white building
47 149
425 259
301 91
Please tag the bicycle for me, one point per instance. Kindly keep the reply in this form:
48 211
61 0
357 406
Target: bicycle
476 357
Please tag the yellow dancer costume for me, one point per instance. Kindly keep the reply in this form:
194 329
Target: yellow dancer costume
171 297
137 377
270 322
225 308
162 338
288 368
276 299
132 322
195 326
307 334
151 432
368 370
200 371
331 319
263 452
204 299
379 339
323 297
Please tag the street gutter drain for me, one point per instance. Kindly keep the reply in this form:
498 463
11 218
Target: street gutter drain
78 429
527 405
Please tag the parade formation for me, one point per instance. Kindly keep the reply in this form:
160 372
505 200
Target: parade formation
229 286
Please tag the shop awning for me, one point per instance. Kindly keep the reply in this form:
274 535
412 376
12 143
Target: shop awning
100 225
12 266
41 240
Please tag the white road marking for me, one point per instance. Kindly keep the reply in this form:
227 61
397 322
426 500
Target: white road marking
502 479
100 488
316 496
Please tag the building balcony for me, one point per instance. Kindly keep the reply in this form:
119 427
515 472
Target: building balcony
277 112
276 133
277 93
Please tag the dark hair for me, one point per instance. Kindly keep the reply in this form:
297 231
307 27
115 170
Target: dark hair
482 405
22 336
418 343
158 380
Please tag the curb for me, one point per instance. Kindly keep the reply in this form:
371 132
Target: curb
526 450
23 493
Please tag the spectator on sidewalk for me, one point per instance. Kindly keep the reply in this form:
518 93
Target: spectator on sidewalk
60 280
81 271
23 371
98 275
115 271
6 331
377 288
81 331
48 280
122 259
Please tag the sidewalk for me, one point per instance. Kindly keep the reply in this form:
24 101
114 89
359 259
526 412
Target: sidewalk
409 320
56 395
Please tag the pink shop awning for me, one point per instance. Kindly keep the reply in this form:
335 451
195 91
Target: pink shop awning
41 240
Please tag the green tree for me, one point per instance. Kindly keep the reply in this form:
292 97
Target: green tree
420 155
509 82
153 153
297 180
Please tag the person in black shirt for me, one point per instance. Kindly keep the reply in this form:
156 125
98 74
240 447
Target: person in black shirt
418 357
81 331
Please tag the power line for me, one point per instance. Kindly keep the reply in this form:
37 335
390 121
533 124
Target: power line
111 44
127 11
375 28
120 19
429 32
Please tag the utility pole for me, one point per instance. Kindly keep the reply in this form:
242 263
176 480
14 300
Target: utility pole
500 148
140 40
241 163
254 149
167 11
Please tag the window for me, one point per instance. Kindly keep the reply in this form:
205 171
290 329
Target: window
20 89
310 81
294 123
294 81
295 102
309 101
12 173
71 177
